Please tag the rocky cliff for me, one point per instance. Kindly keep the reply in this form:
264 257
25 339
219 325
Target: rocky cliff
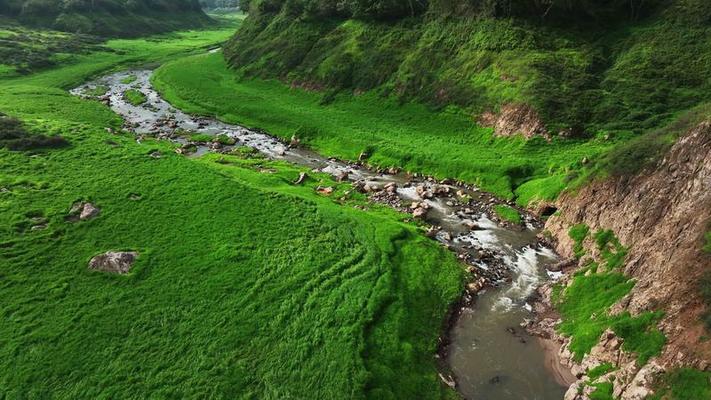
661 216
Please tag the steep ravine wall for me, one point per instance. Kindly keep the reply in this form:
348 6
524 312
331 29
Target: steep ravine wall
661 216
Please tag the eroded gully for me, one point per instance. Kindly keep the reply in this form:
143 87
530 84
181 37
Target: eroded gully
484 354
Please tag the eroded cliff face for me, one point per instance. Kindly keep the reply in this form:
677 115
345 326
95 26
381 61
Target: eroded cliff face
661 216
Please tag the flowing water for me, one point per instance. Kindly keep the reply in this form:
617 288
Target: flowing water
488 355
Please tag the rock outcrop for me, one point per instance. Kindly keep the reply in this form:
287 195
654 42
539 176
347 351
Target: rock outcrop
114 262
661 216
515 119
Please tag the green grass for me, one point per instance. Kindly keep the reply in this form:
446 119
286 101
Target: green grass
600 370
135 97
579 233
129 79
603 391
707 246
584 303
507 213
411 136
246 286
684 384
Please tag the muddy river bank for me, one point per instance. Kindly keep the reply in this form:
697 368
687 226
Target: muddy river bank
485 354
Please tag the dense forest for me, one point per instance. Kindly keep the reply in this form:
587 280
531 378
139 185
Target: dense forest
584 66
106 17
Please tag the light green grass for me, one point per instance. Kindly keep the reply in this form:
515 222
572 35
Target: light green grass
135 97
129 79
411 136
507 213
585 302
246 286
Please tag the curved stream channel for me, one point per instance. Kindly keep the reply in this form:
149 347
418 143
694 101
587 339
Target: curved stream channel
486 354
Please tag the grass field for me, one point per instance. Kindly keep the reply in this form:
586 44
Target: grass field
245 286
443 144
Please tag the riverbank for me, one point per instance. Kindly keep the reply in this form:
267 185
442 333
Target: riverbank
447 144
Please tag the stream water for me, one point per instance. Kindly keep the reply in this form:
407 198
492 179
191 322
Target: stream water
487 355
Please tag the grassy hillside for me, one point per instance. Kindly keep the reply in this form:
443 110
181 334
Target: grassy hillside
614 65
246 286
113 18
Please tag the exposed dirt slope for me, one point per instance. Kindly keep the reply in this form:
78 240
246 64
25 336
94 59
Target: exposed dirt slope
662 216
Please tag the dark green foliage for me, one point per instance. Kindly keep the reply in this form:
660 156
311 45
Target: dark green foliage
684 384
631 67
579 233
107 17
14 136
707 246
24 50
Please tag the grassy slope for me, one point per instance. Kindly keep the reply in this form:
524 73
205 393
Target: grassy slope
246 286
411 136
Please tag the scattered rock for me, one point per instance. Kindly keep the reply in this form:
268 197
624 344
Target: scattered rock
82 211
325 190
302 177
114 262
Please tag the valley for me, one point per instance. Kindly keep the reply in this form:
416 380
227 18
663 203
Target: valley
261 230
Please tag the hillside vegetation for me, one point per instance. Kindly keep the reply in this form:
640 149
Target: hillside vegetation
122 18
584 66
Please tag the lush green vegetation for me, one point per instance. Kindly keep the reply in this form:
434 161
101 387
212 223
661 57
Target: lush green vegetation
579 233
584 304
107 17
707 247
684 384
507 213
444 144
603 391
600 370
135 97
246 286
584 65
